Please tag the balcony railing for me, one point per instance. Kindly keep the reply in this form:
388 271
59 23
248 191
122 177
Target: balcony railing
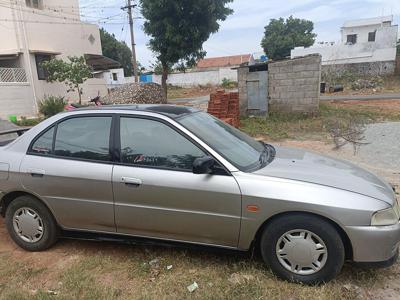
13 75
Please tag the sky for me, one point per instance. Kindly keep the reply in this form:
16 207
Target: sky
242 32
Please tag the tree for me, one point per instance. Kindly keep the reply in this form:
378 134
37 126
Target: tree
116 50
282 36
73 73
179 28
158 68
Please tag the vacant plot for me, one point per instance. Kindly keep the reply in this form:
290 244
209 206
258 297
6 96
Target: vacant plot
175 92
316 127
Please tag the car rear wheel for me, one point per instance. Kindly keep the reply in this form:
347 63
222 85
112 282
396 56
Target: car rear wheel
30 224
303 248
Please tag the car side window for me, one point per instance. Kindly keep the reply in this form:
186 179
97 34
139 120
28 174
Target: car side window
84 138
44 144
151 143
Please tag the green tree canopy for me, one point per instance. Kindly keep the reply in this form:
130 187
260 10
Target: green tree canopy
281 36
73 73
178 29
116 50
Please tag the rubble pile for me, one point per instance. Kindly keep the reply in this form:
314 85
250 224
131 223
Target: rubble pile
225 106
136 93
372 83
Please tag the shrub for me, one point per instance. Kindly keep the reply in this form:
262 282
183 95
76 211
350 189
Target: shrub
50 106
228 84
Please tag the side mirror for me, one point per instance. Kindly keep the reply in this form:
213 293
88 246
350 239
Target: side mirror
203 165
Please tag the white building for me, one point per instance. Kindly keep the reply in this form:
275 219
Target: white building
366 43
33 31
113 77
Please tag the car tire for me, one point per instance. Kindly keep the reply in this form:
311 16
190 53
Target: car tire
30 224
290 242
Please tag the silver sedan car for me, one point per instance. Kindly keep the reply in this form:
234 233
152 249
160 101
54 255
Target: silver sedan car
180 175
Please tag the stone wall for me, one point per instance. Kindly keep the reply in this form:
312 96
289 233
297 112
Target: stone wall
362 69
294 85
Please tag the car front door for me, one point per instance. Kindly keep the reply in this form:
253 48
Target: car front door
69 166
157 195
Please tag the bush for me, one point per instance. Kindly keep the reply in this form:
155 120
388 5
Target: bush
228 84
50 106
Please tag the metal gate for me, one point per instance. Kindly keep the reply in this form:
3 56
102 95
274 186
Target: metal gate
257 92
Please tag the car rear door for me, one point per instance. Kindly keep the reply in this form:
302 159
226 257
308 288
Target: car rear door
157 195
69 166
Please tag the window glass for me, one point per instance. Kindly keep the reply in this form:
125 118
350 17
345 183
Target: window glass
85 138
33 3
371 36
151 143
352 39
44 145
235 146
41 58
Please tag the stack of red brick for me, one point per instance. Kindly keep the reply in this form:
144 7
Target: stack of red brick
225 106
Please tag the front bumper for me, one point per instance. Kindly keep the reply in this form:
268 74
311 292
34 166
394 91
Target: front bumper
374 244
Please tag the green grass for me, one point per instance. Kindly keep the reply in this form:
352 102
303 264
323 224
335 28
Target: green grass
300 126
24 122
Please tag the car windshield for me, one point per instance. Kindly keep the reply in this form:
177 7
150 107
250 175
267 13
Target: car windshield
238 148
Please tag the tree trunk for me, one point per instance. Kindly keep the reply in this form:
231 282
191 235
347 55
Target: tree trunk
80 96
164 82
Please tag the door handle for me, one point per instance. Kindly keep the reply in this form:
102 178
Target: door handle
132 181
36 172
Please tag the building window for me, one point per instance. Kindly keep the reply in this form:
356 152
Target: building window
34 3
352 39
115 76
371 36
41 58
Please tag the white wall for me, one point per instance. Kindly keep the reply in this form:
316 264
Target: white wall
91 88
47 32
213 77
109 78
16 99
383 49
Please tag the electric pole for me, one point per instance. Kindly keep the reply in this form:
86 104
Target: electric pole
129 7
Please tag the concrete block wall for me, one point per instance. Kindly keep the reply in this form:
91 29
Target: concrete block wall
294 85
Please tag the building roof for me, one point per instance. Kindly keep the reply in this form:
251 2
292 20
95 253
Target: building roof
101 63
224 61
369 21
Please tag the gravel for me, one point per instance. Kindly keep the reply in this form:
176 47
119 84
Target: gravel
383 149
136 93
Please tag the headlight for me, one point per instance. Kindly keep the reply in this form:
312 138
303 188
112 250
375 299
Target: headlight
385 217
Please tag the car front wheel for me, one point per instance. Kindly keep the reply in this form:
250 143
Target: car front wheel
30 224
303 248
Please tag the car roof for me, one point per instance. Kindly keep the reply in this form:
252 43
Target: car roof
172 111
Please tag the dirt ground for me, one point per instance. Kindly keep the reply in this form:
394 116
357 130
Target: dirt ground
92 270
378 105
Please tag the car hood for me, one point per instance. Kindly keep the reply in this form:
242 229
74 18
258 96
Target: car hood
296 164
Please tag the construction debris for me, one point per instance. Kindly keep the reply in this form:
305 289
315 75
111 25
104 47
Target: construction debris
191 288
225 106
136 93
